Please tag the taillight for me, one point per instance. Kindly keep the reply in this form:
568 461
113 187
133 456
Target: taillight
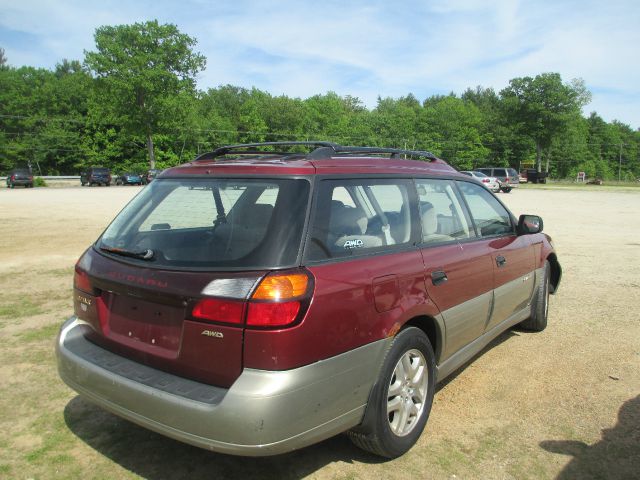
281 287
278 299
218 310
485 180
272 314
81 280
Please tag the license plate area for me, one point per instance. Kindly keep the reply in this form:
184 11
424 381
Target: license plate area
143 324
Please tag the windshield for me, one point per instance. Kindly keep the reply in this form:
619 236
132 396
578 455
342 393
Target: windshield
212 223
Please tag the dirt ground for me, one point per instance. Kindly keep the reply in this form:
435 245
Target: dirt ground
564 403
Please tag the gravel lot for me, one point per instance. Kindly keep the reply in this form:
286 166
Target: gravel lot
564 403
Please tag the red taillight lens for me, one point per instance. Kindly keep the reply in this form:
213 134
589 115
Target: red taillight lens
272 314
81 281
485 180
218 310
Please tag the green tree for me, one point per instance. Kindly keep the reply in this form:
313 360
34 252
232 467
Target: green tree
3 58
142 71
541 107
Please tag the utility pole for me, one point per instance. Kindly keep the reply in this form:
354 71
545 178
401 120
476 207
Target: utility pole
620 163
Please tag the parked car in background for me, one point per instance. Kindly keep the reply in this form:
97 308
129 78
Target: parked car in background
96 176
508 177
20 177
534 176
128 179
152 174
253 302
491 183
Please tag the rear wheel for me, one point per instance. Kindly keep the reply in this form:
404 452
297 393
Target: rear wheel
401 400
506 189
540 306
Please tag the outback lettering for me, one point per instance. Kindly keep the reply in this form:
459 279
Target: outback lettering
149 282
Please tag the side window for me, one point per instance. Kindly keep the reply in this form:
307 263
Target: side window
489 216
499 172
353 217
441 213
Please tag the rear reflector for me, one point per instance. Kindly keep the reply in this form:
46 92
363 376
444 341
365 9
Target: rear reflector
217 310
272 314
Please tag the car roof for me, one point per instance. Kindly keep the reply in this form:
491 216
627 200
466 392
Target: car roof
324 158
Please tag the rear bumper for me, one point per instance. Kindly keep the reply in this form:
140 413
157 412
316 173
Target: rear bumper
20 181
263 413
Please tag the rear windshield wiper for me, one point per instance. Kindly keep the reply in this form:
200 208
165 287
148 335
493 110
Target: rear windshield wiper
143 255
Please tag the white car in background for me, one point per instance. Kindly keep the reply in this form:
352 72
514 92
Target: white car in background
492 183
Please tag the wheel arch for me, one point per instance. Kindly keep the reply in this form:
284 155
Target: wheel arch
556 272
433 329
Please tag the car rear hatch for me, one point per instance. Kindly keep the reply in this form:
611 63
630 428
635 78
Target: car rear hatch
169 283
21 175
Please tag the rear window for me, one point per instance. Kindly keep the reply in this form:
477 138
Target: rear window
100 170
213 223
499 172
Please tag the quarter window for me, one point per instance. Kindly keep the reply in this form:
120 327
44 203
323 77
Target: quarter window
355 216
489 216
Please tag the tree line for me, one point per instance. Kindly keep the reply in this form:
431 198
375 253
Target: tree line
132 103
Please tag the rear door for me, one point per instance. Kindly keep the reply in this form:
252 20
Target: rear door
368 271
458 272
512 256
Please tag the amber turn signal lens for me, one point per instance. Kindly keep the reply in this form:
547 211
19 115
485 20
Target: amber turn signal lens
281 287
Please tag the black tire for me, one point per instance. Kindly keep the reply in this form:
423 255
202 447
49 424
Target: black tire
537 322
506 189
389 434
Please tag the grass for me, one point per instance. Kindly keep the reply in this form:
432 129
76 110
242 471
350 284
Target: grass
48 332
20 309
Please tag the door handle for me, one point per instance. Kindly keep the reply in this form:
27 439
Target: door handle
438 277
501 261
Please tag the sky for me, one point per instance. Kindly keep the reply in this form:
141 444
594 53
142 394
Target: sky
363 48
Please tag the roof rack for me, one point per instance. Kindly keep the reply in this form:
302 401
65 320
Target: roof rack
322 150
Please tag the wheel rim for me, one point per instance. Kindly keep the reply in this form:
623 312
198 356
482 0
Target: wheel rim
407 392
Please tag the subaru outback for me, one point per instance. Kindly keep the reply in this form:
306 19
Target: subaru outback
260 299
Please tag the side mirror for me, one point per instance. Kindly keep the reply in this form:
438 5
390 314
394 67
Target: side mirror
528 224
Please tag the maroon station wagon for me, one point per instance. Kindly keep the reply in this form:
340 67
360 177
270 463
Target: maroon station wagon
258 299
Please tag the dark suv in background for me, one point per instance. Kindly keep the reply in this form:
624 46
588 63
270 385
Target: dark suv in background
258 300
21 177
508 177
96 176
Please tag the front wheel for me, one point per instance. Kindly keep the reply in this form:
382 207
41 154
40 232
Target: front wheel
537 322
401 400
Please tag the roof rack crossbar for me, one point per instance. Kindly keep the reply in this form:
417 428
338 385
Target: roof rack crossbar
322 150
394 152
252 148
